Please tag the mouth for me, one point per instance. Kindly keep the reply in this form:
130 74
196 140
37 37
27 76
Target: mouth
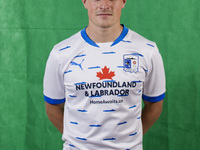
104 14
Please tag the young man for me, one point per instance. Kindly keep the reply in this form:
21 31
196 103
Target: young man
100 76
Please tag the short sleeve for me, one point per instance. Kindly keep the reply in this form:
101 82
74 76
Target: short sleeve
155 84
53 85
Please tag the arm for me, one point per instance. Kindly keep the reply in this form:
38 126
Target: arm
55 114
150 113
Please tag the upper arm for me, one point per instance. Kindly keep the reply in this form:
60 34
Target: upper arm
152 108
50 108
53 83
154 85
154 105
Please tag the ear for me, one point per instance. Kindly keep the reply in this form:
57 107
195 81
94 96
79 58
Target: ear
85 3
123 3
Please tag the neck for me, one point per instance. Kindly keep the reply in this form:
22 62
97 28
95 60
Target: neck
102 35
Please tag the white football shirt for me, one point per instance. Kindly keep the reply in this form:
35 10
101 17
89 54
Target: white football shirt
102 85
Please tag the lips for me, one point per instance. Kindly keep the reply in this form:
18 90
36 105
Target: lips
104 14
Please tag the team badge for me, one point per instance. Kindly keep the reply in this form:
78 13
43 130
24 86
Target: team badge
131 63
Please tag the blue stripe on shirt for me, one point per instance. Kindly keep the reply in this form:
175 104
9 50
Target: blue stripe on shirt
53 101
153 99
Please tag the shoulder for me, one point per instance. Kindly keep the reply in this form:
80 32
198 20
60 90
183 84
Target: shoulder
142 44
147 48
68 47
68 43
140 40
65 51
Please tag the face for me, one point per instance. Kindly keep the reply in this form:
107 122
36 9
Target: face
104 13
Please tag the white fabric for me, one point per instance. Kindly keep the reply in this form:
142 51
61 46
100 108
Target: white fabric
103 92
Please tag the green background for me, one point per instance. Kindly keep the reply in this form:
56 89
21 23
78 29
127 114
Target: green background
30 28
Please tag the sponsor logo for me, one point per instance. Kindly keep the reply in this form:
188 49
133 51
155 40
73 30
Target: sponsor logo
131 63
105 73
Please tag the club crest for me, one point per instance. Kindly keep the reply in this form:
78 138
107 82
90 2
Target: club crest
131 63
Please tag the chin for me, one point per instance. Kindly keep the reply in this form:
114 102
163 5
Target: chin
105 25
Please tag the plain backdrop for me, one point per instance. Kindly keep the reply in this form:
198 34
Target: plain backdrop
30 28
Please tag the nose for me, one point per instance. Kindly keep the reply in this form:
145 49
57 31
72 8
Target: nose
105 4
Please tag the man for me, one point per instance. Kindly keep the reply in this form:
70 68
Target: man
100 76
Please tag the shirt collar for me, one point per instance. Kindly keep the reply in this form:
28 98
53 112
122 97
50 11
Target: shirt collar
89 41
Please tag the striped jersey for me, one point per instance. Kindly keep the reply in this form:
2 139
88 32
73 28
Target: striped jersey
102 86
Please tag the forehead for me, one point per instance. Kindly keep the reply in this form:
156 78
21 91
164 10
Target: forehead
104 0
95 3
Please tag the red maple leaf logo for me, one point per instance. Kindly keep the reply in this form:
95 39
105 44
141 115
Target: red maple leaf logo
105 74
